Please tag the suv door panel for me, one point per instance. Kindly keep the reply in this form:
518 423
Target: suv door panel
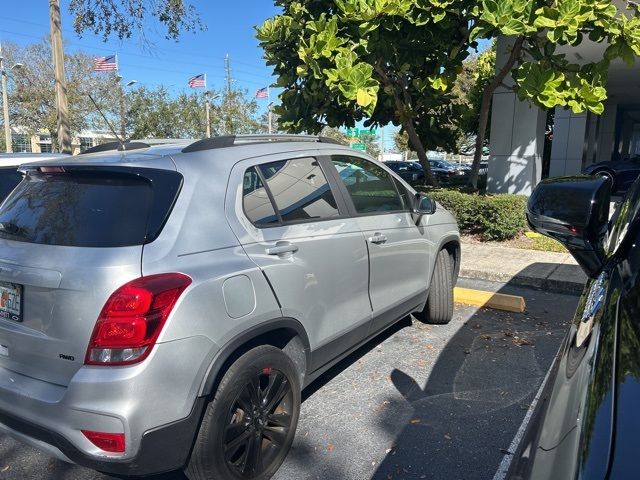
301 261
400 253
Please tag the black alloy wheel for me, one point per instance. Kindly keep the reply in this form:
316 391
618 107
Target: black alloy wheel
258 423
249 425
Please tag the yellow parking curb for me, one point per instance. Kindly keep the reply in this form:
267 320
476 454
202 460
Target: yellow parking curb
480 298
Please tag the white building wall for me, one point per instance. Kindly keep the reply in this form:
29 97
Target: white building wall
517 139
567 147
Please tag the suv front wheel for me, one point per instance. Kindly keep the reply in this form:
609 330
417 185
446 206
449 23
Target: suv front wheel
439 308
249 426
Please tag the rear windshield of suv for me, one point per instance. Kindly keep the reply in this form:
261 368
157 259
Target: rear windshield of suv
81 210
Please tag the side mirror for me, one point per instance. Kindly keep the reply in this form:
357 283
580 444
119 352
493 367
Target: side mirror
424 205
575 212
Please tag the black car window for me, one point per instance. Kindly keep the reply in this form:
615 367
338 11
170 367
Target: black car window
623 217
371 188
255 200
299 189
9 178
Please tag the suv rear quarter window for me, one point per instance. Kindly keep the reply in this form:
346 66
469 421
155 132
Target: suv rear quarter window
297 188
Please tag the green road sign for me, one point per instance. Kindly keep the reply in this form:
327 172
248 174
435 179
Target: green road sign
359 146
362 132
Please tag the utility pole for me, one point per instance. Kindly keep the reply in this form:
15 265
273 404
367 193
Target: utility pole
227 72
382 143
5 106
62 105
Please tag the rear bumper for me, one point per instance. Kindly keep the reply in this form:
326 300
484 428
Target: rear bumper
162 449
154 403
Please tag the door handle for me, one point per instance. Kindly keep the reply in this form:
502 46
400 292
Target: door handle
378 238
282 247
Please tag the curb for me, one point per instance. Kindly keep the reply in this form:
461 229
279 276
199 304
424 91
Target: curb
481 298
549 284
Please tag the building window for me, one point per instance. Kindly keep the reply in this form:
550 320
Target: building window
45 143
85 143
21 143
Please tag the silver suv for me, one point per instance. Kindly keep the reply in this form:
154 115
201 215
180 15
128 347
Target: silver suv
161 307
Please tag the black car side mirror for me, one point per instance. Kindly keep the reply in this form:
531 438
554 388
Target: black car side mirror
575 212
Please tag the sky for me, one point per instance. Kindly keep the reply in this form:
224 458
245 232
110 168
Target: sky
171 63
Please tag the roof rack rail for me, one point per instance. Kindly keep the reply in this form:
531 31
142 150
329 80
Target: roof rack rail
224 141
119 146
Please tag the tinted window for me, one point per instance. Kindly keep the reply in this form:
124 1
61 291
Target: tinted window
299 189
371 187
78 210
256 202
9 178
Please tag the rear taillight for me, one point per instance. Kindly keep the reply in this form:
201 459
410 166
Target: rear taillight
132 319
108 442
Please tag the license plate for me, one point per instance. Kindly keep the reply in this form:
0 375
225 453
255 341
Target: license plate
11 301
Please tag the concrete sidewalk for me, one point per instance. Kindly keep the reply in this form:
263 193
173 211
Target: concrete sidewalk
556 272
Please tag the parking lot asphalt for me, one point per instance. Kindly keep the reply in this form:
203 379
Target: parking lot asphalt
417 402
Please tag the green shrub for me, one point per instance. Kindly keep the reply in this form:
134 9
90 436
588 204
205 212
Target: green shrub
492 217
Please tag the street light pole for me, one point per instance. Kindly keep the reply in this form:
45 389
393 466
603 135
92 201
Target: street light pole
5 106
206 109
123 111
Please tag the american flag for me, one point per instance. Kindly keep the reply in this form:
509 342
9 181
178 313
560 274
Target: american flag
105 64
262 92
197 82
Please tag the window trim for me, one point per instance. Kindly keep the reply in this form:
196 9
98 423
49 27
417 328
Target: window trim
347 197
342 207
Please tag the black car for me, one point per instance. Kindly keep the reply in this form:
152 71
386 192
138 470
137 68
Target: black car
622 173
586 423
409 171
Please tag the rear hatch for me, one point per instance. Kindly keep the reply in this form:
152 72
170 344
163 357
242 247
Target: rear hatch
70 236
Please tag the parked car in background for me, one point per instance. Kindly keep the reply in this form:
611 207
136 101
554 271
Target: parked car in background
9 163
586 423
163 306
622 173
409 171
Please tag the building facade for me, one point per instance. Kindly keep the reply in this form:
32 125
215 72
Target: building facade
529 144
22 141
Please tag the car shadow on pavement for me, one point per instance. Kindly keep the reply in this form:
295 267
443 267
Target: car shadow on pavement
466 411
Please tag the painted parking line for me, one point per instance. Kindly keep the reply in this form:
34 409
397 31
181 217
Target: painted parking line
503 468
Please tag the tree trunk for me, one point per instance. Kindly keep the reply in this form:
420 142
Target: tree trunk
414 141
487 93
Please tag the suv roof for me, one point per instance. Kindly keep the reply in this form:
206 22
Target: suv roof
141 151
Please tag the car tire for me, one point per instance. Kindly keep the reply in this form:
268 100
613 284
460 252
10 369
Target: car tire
439 307
610 176
235 443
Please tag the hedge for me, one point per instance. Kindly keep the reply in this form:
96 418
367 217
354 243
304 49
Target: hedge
491 217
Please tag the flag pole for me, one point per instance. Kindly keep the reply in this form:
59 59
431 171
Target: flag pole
269 108
206 106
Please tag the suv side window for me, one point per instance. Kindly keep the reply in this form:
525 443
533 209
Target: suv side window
371 188
298 189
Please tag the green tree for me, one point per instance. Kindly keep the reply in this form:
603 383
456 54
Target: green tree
543 75
382 61
155 113
32 97
124 17
477 71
